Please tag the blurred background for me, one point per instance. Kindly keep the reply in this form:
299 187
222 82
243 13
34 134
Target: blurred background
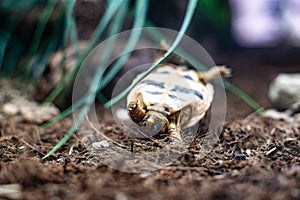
258 39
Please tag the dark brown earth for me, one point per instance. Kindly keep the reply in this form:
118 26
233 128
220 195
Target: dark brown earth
254 158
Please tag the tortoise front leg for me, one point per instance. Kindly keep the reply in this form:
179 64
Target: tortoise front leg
136 109
175 127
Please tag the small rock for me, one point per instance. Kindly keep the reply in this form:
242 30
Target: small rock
39 114
295 193
30 110
220 176
248 152
274 114
145 174
11 191
100 144
120 196
10 109
285 90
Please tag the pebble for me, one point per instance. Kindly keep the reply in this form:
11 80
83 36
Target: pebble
10 109
11 191
274 114
295 193
100 144
120 196
30 110
285 90
145 174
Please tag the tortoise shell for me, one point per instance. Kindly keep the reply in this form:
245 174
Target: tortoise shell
170 89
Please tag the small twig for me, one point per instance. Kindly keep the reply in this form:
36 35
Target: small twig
131 147
71 150
38 135
27 144
271 151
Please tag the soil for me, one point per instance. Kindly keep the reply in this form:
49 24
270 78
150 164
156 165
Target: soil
255 158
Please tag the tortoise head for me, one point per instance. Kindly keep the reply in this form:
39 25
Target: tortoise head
155 121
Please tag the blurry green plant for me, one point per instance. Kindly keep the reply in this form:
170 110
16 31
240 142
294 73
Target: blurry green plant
37 56
33 52
216 11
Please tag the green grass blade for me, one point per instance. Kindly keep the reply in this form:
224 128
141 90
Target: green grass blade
140 16
62 141
38 34
63 114
158 36
89 98
116 26
73 30
67 32
187 19
14 51
67 28
21 6
3 44
6 37
46 49
237 92
11 23
39 67
110 12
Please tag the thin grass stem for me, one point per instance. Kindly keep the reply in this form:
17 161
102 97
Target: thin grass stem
89 98
187 19
158 36
116 26
38 34
111 10
140 17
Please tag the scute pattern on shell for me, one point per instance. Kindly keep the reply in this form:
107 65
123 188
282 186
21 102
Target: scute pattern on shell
172 88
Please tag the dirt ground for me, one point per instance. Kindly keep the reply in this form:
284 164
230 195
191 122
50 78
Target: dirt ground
255 158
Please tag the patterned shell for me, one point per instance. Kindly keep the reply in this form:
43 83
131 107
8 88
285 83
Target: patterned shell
169 89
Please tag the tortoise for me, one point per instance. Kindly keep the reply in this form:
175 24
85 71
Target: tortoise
172 97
